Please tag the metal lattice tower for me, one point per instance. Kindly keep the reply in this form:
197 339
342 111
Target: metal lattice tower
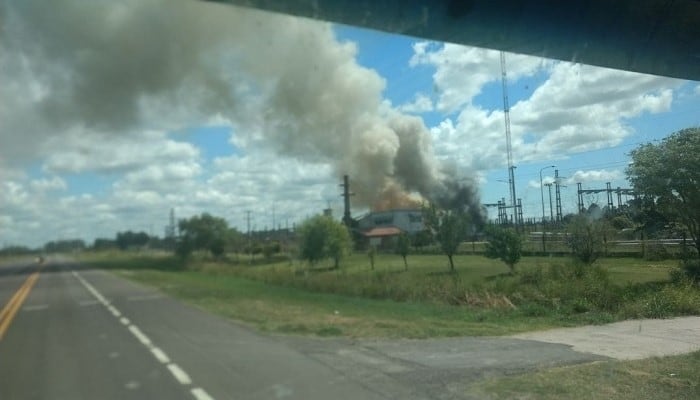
557 193
347 218
509 149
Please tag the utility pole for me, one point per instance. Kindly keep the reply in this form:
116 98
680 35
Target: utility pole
557 194
509 149
273 216
250 245
542 192
347 219
172 228
551 212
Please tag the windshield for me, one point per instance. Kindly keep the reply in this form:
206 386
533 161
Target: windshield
204 140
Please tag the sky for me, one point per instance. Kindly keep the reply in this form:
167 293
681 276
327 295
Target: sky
115 113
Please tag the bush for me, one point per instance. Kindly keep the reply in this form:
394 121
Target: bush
533 276
656 252
505 245
270 249
681 298
691 269
585 238
322 237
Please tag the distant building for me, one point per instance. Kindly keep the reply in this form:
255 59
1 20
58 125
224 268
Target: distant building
383 227
408 220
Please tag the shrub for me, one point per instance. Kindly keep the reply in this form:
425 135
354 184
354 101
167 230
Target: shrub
585 238
322 237
505 245
533 276
656 252
691 269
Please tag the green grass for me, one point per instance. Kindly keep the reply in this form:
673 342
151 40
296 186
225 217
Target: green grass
17 259
291 310
425 301
672 378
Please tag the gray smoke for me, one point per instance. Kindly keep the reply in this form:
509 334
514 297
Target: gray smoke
118 67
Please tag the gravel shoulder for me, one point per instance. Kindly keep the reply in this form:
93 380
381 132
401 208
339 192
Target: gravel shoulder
627 340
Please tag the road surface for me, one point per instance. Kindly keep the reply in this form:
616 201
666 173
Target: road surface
69 332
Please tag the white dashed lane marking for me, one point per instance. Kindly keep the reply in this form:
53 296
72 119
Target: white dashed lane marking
178 373
140 335
200 394
160 355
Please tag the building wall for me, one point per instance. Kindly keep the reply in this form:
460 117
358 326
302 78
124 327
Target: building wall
410 221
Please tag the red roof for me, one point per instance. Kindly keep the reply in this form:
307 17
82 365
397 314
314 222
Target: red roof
384 231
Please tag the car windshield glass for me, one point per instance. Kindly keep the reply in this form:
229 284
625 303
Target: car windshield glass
309 178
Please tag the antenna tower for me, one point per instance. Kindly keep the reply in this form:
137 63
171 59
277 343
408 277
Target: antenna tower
509 149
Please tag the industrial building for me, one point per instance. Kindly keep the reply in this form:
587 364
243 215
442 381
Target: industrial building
383 227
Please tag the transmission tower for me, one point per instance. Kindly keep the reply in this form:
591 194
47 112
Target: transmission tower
509 149
347 219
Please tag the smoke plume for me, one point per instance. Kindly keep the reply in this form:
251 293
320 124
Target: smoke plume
119 67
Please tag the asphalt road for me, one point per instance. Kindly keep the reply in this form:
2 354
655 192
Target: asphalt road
87 334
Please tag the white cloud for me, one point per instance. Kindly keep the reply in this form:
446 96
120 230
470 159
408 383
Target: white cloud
461 72
582 108
162 177
46 184
578 108
420 104
697 89
535 184
110 153
601 175
261 180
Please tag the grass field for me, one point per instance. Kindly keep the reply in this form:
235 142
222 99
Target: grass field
480 299
665 378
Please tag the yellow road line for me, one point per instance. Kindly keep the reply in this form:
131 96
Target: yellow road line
10 304
10 310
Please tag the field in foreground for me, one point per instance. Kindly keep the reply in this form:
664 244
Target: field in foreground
425 301
672 378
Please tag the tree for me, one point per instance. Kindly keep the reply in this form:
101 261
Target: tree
103 244
403 245
585 238
322 237
59 246
270 249
203 232
371 253
422 238
448 227
129 239
668 174
504 244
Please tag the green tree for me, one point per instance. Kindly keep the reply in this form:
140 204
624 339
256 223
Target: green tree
403 245
371 253
103 244
270 249
449 228
668 174
422 238
322 237
129 239
59 246
504 244
203 232
585 238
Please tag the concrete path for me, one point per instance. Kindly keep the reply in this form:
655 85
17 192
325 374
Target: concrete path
627 340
